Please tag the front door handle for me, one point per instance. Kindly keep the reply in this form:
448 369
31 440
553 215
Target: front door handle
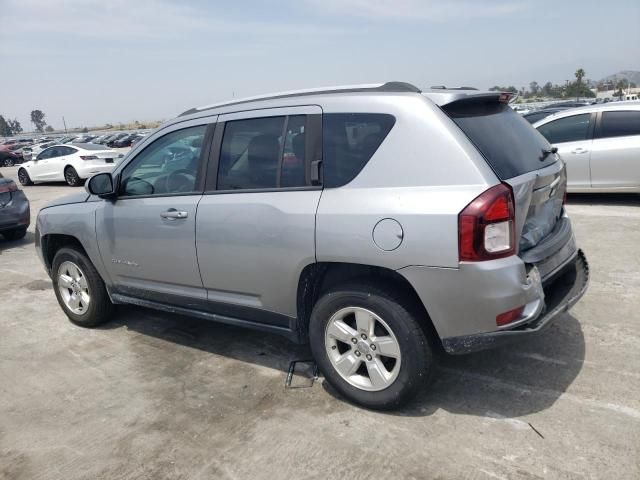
579 150
173 214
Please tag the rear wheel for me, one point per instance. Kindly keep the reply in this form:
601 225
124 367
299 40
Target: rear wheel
15 234
71 177
23 178
9 162
370 347
79 289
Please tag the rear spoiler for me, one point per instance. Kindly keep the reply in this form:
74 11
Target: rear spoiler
442 97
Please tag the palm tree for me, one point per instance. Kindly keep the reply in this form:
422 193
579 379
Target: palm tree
579 75
620 87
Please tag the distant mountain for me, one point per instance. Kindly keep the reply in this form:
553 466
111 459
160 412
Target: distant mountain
630 75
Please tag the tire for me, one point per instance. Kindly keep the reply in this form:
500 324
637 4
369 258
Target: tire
9 162
71 177
15 234
89 313
395 318
23 178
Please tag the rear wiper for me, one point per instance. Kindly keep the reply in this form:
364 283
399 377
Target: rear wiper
548 151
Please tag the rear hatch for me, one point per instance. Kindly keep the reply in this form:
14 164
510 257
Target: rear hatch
521 158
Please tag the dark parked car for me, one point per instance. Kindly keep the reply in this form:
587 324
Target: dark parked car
15 215
85 139
111 142
7 157
98 140
127 141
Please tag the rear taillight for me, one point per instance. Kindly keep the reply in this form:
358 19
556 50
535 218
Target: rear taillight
8 187
88 157
486 226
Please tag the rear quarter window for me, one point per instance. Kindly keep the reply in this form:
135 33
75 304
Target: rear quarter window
619 124
511 146
349 140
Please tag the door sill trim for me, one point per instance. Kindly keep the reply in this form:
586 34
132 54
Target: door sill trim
119 298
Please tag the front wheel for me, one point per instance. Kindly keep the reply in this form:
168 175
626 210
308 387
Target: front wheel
71 177
79 289
370 347
9 162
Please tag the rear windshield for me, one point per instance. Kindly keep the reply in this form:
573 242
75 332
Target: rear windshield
90 146
509 143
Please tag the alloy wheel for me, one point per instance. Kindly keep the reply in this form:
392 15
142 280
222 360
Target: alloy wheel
362 348
73 287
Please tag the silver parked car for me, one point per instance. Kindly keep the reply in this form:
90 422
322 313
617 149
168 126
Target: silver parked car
379 223
600 144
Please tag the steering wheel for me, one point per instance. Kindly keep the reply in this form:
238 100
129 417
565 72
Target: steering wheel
179 181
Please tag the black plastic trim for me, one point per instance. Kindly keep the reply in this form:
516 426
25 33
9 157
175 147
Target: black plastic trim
214 317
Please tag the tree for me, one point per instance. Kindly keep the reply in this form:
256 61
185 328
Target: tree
579 76
534 87
511 89
49 129
620 86
84 130
37 118
547 88
5 129
15 126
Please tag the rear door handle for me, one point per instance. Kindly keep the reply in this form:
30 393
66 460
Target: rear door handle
173 214
579 150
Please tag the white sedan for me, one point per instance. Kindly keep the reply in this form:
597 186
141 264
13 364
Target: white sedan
69 163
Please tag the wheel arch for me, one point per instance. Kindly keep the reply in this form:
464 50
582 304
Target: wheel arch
53 242
317 278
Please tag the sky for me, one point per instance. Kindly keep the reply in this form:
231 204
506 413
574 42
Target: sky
99 61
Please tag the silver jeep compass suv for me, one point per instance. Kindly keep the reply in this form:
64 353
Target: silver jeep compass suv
379 223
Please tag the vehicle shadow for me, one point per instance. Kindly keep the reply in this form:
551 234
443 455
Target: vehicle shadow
509 382
8 244
512 381
621 199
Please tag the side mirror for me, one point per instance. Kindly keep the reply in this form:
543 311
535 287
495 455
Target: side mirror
101 185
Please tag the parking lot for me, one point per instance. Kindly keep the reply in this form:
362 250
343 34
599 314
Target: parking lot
154 395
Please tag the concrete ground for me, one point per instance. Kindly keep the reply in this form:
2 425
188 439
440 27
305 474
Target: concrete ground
157 396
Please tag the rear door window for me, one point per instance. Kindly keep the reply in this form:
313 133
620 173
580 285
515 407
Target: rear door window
263 153
349 140
567 129
619 124
508 142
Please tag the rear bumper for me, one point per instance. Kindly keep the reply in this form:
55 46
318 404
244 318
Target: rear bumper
16 214
562 290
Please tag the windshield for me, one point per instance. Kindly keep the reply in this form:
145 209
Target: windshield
508 142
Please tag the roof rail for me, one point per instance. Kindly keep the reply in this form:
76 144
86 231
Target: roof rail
397 87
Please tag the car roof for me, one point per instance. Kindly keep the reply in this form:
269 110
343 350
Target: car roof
602 107
439 95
